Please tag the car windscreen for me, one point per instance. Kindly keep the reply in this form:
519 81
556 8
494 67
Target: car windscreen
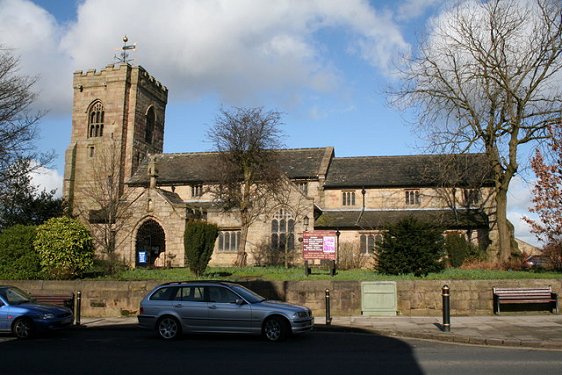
247 294
15 296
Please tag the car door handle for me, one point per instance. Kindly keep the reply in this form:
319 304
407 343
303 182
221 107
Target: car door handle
213 307
178 305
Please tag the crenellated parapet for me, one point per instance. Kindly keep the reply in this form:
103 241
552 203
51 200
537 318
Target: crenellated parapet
111 71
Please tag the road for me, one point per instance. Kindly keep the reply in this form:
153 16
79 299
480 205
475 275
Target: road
127 350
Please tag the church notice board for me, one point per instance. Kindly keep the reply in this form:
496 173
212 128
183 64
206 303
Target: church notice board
320 244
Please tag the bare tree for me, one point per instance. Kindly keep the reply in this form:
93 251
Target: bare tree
104 203
246 139
18 123
291 199
488 79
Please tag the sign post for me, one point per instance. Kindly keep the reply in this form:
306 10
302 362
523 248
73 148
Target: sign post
320 245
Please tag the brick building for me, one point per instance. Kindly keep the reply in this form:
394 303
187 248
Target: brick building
137 199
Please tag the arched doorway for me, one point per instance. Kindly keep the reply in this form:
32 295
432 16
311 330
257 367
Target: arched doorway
150 243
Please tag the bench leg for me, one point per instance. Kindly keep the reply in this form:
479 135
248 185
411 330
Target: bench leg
496 304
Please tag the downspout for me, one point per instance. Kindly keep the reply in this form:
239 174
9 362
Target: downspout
363 192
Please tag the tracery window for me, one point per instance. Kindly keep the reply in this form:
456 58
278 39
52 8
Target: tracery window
283 231
95 120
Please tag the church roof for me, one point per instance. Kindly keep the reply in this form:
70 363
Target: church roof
347 172
408 170
380 219
200 167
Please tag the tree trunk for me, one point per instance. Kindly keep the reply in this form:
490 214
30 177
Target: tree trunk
505 234
241 256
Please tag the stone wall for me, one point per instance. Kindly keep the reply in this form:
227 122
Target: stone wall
415 298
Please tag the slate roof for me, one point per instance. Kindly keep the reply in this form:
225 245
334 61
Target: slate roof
407 171
348 172
200 167
380 219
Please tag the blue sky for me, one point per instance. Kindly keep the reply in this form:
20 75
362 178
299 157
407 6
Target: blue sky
324 64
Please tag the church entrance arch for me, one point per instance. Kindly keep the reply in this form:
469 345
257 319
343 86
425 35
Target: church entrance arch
150 244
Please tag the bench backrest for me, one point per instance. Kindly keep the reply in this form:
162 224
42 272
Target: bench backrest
523 292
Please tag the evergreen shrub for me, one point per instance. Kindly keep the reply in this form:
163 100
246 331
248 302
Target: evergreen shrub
65 247
199 242
18 258
411 246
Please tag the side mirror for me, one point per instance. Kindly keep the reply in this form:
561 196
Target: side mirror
239 301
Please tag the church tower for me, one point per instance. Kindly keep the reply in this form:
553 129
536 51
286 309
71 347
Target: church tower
117 121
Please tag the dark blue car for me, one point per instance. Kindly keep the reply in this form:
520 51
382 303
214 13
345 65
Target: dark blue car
23 317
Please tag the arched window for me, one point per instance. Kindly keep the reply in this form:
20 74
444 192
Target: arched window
95 120
149 129
283 231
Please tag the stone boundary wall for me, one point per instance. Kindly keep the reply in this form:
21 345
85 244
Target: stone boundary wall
415 298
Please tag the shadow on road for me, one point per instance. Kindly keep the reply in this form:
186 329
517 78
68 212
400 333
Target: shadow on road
119 349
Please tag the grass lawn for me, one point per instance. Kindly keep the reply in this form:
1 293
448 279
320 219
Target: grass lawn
297 274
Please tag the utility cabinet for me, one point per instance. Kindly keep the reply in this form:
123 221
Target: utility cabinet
379 298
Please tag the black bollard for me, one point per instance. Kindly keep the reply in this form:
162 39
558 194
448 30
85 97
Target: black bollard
328 317
445 292
77 307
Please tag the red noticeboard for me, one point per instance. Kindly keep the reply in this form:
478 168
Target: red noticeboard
319 245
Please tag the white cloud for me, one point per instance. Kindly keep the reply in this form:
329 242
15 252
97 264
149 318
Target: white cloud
518 203
48 179
235 49
411 9
33 35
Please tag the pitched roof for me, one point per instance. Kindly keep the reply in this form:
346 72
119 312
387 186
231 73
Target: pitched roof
380 219
409 170
200 167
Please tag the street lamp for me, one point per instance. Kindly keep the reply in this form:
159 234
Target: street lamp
338 246
305 221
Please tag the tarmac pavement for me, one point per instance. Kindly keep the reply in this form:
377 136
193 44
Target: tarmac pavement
527 331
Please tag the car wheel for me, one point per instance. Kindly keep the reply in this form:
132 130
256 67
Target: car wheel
168 328
275 329
23 328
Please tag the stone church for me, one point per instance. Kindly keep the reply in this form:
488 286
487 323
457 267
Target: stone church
137 200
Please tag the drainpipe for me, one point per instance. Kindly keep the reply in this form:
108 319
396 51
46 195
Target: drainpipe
363 192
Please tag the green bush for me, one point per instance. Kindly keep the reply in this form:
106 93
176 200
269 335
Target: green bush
65 247
18 258
460 250
199 242
456 247
411 246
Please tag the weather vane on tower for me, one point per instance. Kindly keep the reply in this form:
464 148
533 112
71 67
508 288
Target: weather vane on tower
124 55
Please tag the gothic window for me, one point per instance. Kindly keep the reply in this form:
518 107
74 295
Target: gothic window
348 198
413 197
283 231
228 240
95 120
149 128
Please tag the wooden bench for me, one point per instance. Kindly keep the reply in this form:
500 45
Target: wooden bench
66 300
545 295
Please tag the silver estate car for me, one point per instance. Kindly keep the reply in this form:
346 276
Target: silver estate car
219 307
